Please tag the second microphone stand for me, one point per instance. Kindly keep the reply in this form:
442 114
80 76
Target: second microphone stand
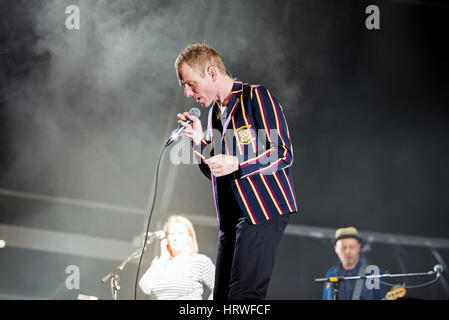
114 274
337 280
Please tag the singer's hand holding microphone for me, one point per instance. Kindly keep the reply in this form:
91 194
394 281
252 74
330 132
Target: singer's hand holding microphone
160 235
192 125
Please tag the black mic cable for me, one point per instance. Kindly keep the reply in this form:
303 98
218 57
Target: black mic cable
197 113
149 219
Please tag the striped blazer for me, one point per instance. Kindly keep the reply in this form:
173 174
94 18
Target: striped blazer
256 132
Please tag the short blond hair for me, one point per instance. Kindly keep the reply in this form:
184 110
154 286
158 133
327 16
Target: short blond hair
201 57
190 230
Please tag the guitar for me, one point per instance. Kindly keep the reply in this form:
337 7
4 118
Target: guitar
396 293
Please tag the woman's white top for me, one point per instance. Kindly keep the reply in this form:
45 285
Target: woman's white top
179 278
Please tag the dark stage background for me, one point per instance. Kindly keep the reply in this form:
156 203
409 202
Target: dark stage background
84 114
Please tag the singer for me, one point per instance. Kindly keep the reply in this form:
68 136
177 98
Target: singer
180 272
249 169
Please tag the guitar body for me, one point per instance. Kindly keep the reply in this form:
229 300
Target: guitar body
395 293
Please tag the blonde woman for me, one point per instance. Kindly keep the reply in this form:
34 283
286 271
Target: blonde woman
180 272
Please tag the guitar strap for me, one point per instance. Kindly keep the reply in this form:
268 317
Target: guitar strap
359 283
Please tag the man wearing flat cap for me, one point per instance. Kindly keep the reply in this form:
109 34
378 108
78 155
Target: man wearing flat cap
347 245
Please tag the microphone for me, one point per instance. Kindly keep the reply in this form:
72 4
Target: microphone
438 269
160 234
175 134
155 235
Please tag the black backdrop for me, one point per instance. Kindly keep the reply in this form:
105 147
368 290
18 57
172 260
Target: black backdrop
83 115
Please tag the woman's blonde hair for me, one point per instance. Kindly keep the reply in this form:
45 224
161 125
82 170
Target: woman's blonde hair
200 56
193 246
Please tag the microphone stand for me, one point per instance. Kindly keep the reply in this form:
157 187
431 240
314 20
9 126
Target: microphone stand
114 274
337 280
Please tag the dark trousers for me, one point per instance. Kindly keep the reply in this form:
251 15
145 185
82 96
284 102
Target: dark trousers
245 258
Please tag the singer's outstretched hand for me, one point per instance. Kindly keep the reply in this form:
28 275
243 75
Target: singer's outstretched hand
192 130
222 164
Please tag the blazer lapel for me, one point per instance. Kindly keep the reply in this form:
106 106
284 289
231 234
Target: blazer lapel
237 89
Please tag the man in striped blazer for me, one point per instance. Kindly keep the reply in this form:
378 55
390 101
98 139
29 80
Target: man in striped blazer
246 151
